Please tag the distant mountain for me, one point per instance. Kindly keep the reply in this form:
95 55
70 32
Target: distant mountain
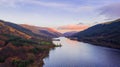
72 27
67 34
45 31
105 34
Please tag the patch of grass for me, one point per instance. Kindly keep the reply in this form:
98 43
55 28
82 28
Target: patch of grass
21 63
45 43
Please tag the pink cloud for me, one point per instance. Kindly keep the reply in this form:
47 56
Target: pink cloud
73 27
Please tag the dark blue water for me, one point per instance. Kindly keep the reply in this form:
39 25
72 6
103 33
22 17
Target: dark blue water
78 54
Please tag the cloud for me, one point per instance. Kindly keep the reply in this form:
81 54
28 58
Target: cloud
48 4
7 3
57 5
80 8
64 6
34 2
72 27
111 11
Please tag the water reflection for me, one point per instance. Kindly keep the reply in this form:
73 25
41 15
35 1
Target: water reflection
78 54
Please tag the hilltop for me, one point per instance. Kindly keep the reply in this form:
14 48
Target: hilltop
104 34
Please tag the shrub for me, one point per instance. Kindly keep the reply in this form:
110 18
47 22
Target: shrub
2 59
37 50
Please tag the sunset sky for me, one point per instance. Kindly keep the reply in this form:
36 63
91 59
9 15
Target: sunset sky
53 13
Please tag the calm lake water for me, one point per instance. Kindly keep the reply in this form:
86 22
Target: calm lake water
79 54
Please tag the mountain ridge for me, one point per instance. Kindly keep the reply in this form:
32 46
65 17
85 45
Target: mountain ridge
105 34
50 32
7 29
